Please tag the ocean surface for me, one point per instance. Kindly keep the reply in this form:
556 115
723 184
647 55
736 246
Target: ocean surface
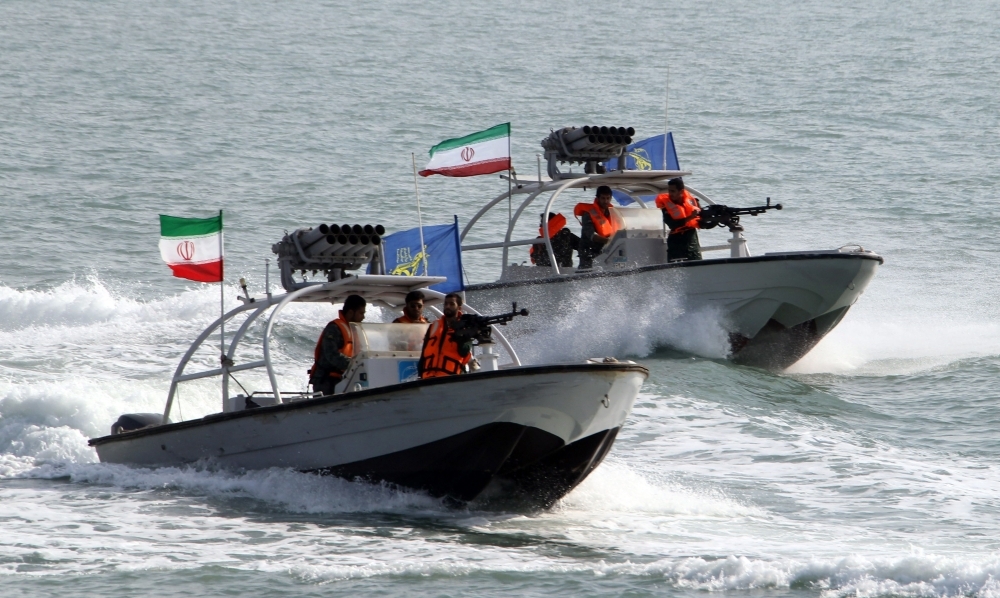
870 468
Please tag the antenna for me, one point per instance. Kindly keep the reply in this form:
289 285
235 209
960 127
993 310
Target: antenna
420 220
666 117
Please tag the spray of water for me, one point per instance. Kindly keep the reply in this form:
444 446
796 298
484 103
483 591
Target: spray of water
622 318
901 345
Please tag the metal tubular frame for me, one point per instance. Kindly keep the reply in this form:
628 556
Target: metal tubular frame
534 189
510 231
179 375
260 307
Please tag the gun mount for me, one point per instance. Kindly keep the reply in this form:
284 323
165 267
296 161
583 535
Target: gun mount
479 328
720 215
328 248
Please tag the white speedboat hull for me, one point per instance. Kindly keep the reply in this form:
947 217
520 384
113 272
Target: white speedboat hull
776 307
535 432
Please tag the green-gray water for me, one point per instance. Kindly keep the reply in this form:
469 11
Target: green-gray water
869 469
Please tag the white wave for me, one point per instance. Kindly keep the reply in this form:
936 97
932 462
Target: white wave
73 304
281 488
615 487
915 575
626 319
882 347
856 575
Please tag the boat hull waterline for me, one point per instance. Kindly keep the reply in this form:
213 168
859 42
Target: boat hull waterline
775 307
531 433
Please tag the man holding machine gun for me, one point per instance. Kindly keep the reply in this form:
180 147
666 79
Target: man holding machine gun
680 213
442 355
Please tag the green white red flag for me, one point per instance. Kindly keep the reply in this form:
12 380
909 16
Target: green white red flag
484 152
192 247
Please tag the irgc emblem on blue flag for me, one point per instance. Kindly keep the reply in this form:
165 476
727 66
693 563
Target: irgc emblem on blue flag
655 153
442 251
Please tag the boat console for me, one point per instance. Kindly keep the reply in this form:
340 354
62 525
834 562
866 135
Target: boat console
383 354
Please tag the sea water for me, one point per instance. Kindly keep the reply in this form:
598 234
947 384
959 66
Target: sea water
870 468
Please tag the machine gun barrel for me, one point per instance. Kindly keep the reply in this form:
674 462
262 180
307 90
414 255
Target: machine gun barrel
501 319
477 327
720 215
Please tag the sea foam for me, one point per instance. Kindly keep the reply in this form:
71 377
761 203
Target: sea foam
883 347
626 319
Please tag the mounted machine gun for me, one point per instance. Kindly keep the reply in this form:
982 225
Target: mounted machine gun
479 328
720 215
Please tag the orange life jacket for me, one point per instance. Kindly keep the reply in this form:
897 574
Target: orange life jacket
555 225
405 319
347 350
440 356
603 225
679 212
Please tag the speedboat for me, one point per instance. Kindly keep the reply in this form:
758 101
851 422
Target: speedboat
775 306
507 431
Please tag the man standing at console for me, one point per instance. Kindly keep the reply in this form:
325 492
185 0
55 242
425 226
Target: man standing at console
442 354
680 213
413 311
335 347
598 225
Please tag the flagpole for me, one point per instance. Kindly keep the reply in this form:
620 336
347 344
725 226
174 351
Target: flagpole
222 317
420 220
666 118
510 169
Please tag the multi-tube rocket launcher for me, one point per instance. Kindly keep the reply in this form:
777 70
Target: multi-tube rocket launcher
328 248
588 145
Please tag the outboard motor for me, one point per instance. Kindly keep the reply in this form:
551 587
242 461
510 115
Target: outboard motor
136 421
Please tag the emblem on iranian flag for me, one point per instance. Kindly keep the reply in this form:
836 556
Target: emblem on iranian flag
185 249
484 152
192 247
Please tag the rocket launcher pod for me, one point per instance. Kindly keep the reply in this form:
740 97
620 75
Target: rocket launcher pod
330 249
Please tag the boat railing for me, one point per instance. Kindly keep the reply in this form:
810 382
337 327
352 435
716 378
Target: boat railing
634 183
384 290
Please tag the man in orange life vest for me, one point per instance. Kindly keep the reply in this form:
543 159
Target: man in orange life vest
680 213
442 355
335 347
563 243
413 312
598 226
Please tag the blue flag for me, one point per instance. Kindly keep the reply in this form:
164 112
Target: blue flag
441 248
646 155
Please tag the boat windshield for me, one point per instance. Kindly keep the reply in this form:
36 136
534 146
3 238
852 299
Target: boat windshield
389 338
639 219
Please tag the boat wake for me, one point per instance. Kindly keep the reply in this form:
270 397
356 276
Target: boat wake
877 347
626 319
645 526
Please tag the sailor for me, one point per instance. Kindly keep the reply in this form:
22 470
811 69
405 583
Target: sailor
335 347
680 213
598 226
442 355
564 241
413 312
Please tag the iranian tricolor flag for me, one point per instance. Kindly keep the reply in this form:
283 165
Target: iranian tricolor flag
192 247
484 152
